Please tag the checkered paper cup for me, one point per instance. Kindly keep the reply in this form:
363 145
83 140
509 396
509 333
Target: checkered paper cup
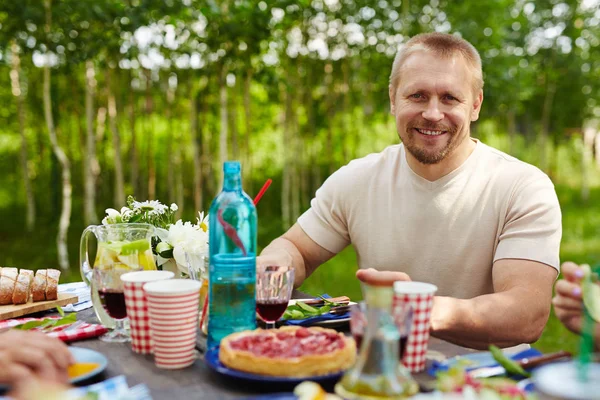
420 296
137 307
173 310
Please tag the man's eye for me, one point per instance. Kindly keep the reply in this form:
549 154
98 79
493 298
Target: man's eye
450 97
416 96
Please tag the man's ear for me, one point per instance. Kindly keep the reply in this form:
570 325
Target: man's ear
477 106
392 99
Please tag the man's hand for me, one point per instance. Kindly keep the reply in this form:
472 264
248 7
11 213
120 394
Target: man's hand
279 257
373 277
26 354
568 305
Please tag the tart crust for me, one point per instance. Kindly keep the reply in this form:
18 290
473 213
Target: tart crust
337 360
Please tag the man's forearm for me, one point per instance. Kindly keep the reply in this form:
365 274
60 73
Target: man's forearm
498 318
279 245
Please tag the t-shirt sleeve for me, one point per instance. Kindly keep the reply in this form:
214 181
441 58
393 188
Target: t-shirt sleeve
326 221
532 228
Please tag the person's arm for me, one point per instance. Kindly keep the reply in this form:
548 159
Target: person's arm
297 249
515 313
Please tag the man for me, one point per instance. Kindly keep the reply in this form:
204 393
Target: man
441 207
568 301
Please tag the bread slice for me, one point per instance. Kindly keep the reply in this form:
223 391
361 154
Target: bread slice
52 278
38 289
21 293
8 279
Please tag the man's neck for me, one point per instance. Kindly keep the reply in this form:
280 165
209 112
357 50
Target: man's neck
433 172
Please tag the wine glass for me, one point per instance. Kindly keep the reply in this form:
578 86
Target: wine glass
274 285
112 297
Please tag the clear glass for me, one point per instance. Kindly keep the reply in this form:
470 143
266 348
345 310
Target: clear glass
401 315
232 267
377 373
112 298
125 246
274 285
198 270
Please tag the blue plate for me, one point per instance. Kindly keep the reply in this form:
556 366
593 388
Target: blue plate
212 360
477 360
82 355
274 396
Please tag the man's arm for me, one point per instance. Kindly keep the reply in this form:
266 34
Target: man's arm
297 249
515 313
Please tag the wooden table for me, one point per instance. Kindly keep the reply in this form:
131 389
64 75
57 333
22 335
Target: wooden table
196 381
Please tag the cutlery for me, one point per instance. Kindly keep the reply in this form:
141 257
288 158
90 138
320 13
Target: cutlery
339 310
527 363
319 301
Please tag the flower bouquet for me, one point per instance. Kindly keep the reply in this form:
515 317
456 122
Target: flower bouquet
177 244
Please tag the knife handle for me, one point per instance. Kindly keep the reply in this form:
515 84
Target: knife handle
539 360
341 299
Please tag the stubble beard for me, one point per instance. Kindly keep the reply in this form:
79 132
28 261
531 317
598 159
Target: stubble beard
431 157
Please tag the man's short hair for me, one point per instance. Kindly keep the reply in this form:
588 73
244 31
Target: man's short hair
442 45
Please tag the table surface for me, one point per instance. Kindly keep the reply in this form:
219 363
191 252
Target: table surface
197 380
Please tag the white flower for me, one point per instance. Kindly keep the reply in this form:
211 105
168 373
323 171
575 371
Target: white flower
150 206
186 238
112 217
202 221
174 207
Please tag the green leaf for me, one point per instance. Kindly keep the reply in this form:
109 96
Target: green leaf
60 311
306 307
509 365
48 322
324 310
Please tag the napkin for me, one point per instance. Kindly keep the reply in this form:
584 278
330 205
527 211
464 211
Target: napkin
81 290
437 366
83 331
115 388
319 318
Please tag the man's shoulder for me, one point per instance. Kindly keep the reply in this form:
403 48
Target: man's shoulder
505 165
387 158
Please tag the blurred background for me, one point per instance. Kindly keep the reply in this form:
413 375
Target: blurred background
102 99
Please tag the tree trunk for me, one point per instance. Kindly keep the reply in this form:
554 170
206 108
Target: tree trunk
233 128
330 105
196 148
16 91
286 209
247 120
134 147
89 203
150 139
545 122
65 214
224 129
119 191
179 191
171 187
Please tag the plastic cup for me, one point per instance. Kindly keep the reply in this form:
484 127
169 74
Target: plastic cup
137 307
420 297
173 303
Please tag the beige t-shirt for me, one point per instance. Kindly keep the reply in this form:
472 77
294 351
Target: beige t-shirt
448 232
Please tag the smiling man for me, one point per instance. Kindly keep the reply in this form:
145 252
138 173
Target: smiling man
441 207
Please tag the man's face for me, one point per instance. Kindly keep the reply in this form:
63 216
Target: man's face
434 105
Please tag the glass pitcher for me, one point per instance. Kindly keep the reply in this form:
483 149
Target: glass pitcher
122 247
378 373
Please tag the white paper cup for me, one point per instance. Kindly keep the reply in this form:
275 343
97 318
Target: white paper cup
173 327
137 307
420 297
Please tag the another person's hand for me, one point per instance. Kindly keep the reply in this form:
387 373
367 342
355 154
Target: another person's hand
26 355
373 277
568 304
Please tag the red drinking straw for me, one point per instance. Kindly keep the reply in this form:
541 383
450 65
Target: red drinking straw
255 201
262 191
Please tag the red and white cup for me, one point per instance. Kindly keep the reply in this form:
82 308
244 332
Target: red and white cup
137 307
173 310
420 297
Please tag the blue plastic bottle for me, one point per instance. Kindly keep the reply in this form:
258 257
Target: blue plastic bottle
232 270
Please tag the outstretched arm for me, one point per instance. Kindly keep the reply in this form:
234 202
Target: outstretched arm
297 249
515 313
